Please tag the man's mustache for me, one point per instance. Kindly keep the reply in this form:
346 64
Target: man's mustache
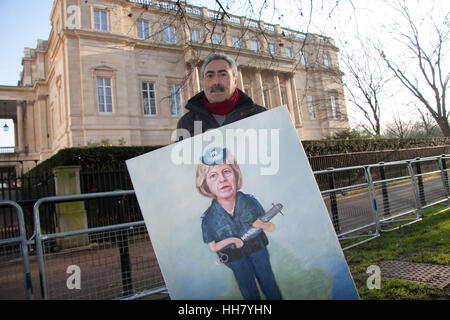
217 87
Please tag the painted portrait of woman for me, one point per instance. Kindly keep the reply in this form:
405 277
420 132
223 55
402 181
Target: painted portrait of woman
225 222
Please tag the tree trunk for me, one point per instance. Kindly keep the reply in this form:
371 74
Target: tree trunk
444 126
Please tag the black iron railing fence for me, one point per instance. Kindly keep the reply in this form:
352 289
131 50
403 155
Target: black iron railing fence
104 212
24 190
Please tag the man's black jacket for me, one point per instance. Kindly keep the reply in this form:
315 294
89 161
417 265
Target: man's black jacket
245 107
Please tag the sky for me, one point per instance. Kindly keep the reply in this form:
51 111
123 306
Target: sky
22 23
16 33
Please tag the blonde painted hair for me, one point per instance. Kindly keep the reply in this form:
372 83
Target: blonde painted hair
203 170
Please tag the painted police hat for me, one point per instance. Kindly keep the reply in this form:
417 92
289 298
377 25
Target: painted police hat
214 156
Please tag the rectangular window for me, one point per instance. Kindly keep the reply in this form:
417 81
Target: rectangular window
255 45
175 100
236 42
312 113
216 38
195 35
326 60
289 53
148 98
100 20
169 34
334 108
104 94
272 49
303 59
143 29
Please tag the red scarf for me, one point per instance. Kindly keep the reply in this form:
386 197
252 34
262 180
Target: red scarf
224 107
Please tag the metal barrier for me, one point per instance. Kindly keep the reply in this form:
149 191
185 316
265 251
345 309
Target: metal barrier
349 206
394 197
118 261
431 181
112 262
444 174
362 200
9 250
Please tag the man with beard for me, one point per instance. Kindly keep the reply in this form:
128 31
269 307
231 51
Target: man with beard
220 102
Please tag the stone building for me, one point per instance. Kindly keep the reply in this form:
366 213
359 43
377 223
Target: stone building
120 72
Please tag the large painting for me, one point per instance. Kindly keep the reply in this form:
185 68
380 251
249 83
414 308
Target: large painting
235 213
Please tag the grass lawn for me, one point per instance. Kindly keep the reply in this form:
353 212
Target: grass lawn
427 241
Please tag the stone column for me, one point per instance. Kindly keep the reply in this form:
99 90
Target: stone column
70 215
298 115
278 98
20 128
30 134
259 96
240 82
196 74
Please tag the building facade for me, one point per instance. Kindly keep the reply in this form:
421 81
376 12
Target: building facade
120 72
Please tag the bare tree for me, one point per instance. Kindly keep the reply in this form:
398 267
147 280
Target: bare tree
431 74
427 125
398 128
365 82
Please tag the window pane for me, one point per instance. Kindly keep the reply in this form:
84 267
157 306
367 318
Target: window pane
326 61
139 29
272 49
312 114
108 95
101 20
146 106
104 21
236 42
101 100
152 106
146 30
333 107
172 34
96 20
303 59
195 35
289 52
104 94
148 96
175 99
169 34
255 45
166 33
216 38
143 28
